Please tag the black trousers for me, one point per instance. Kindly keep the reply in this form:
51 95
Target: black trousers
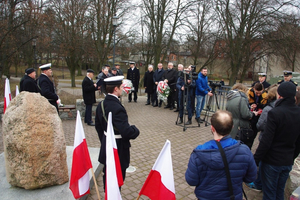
88 114
130 96
104 176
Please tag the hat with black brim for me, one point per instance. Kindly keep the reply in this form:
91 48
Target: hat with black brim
45 67
114 80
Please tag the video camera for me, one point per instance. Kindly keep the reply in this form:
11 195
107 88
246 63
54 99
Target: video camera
189 74
215 84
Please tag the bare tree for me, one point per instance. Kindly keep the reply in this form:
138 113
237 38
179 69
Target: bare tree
244 22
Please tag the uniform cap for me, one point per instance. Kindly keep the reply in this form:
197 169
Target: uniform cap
287 73
287 89
114 80
90 71
29 71
262 74
45 67
131 63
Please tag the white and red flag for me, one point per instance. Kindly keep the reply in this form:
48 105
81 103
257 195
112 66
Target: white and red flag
81 163
17 90
7 94
159 184
114 177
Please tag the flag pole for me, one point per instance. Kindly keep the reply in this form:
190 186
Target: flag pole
95 184
138 197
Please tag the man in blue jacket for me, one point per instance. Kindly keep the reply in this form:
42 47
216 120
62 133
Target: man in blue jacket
206 169
202 89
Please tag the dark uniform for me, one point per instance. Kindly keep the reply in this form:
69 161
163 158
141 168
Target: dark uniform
265 84
88 92
47 89
281 81
287 73
171 75
134 76
122 129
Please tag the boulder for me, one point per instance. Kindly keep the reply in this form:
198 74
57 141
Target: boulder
34 143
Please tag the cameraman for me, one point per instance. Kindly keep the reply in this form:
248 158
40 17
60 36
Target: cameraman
185 86
202 89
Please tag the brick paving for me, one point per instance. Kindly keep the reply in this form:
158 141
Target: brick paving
156 125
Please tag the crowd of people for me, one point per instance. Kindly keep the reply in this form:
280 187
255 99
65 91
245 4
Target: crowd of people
218 167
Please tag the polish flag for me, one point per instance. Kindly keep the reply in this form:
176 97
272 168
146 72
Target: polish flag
17 90
7 94
81 163
114 177
159 184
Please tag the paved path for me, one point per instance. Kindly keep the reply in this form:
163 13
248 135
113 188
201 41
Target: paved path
156 125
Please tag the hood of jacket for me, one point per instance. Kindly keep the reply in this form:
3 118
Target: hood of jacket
211 156
234 94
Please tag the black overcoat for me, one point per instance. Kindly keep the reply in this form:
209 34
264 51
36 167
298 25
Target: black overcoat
88 91
148 82
170 75
121 126
29 85
47 89
134 76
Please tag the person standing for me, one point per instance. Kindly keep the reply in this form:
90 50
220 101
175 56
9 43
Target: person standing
202 89
280 143
124 132
262 79
287 77
100 79
46 85
170 78
157 77
149 84
257 97
88 92
133 74
28 82
177 95
206 169
114 72
119 70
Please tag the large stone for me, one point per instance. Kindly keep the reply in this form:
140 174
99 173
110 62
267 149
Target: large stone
34 143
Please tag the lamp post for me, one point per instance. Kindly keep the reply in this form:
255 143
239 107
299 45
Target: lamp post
34 53
168 53
253 66
115 24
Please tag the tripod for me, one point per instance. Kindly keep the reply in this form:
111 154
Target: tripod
208 106
182 108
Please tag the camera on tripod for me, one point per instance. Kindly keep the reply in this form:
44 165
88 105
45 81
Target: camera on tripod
189 74
215 84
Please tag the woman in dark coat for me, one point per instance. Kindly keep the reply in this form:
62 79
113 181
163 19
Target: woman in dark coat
149 84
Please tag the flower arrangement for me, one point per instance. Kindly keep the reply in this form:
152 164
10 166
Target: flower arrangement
127 86
163 90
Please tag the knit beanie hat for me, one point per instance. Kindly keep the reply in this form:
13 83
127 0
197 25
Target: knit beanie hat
287 89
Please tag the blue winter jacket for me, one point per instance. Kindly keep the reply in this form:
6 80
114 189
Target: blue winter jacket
206 169
202 87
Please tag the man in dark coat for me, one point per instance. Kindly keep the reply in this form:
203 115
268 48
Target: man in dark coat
119 70
28 82
287 77
262 79
124 132
157 76
88 92
170 78
133 74
280 143
46 85
149 84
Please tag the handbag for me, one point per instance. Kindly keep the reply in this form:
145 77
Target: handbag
244 134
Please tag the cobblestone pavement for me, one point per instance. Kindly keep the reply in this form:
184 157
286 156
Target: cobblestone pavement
156 125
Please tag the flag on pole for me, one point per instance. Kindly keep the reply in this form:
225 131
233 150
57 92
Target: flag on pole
159 184
114 177
17 90
7 94
81 163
